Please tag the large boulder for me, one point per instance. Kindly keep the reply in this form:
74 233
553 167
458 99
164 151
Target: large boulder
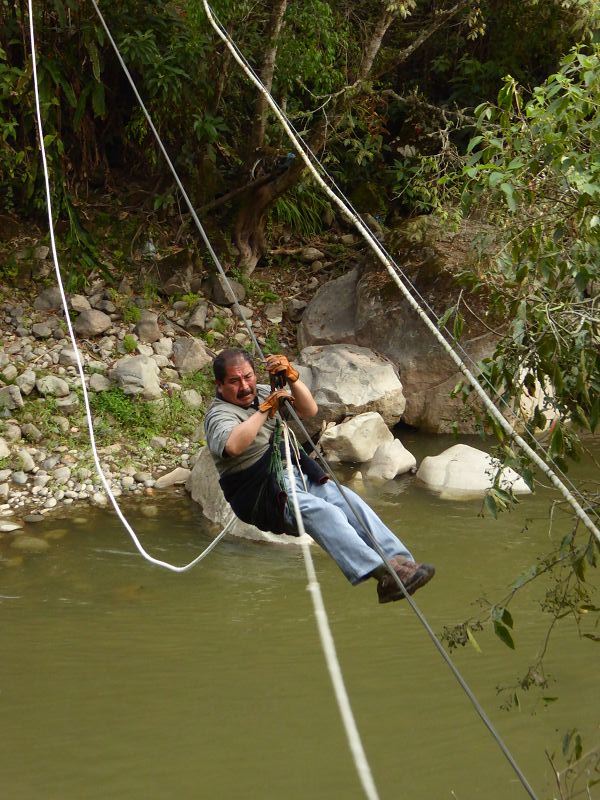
137 375
346 380
464 471
203 486
367 308
356 439
329 319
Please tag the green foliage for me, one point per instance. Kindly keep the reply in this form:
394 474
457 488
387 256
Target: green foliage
534 169
202 381
129 343
272 343
129 413
132 314
303 210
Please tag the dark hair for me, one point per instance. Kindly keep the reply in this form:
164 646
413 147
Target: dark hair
227 357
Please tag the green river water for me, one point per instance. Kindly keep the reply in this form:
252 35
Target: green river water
121 680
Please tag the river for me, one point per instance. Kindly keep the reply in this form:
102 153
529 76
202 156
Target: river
121 680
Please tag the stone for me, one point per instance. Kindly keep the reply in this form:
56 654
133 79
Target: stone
310 254
295 310
356 439
33 518
67 405
68 357
147 329
163 347
346 380
157 443
192 398
41 330
41 252
190 355
9 373
99 383
99 499
26 381
107 306
4 491
143 477
203 486
31 432
48 300
30 544
79 303
197 320
222 289
61 474
464 471
27 462
274 312
137 375
52 386
10 527
12 431
4 449
10 397
92 323
390 459
243 312
19 477
5 474
330 317
176 476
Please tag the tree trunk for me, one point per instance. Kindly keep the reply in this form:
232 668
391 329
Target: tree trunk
257 135
249 228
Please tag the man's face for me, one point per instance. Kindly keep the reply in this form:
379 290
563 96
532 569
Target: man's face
239 384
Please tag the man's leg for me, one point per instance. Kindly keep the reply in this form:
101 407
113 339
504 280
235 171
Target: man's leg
329 527
360 515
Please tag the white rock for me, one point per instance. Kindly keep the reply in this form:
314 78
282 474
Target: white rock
203 485
26 381
4 451
178 475
391 459
464 471
53 386
357 439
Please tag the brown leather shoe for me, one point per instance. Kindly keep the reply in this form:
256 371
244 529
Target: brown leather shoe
412 575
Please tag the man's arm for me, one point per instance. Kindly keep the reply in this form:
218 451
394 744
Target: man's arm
305 403
242 436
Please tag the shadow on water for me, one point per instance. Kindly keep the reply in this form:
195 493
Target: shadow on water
119 679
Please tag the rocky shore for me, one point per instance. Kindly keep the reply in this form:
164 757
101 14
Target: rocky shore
147 371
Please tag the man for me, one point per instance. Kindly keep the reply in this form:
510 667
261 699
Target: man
242 433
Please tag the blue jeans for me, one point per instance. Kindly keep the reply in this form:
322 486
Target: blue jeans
331 522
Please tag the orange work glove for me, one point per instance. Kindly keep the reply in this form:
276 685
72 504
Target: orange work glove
274 401
277 364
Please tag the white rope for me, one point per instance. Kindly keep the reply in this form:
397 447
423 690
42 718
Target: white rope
381 255
88 413
333 665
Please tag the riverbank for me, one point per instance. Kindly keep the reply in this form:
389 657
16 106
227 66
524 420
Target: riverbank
146 351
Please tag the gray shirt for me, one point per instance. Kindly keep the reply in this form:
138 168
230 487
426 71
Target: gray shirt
221 418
